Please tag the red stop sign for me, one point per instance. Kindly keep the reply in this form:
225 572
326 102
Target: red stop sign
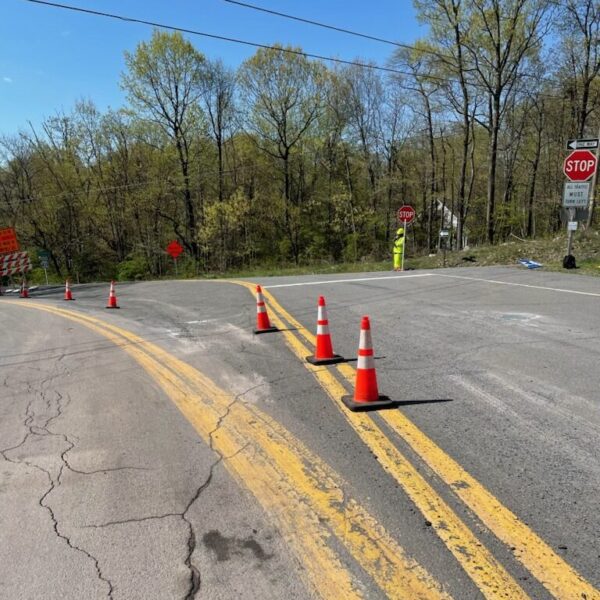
406 214
174 249
580 165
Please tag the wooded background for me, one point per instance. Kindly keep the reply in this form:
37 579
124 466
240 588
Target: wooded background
291 160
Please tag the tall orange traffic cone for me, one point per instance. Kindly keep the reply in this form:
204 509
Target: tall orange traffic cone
263 325
366 394
324 350
68 293
112 297
24 293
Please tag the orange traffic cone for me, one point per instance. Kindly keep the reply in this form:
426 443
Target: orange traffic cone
324 351
366 394
68 293
24 289
263 325
112 297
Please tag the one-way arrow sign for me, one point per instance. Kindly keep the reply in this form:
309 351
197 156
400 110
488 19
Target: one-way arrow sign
588 144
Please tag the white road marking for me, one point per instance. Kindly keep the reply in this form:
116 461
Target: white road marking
282 285
526 285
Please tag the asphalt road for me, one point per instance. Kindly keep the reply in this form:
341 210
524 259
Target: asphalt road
164 451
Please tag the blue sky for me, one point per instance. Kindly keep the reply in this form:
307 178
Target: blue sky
50 58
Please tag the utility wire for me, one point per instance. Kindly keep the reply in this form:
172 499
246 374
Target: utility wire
371 66
335 28
214 36
424 50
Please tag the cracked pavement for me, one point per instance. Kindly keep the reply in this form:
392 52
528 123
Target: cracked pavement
107 492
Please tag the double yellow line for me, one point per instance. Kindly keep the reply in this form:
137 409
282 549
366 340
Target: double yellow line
557 576
303 494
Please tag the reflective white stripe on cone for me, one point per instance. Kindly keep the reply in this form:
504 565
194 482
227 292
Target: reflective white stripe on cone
263 325
324 354
366 392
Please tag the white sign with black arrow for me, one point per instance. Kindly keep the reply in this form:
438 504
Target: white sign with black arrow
588 144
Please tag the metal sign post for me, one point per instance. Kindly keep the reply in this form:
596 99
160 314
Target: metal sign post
174 249
404 249
44 264
44 257
444 235
570 231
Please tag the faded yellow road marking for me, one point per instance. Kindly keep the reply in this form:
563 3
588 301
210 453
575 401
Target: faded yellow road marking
477 561
291 483
554 573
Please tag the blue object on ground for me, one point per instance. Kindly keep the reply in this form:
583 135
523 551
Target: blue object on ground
530 264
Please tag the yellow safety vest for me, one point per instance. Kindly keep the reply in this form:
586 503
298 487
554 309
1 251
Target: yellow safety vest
399 242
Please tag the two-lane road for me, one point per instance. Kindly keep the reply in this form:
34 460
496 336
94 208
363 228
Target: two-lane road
163 451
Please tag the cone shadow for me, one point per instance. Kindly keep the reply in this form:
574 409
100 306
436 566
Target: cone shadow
269 330
355 359
427 401
384 403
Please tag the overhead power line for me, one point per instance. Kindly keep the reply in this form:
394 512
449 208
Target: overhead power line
332 27
214 36
292 51
359 34
422 49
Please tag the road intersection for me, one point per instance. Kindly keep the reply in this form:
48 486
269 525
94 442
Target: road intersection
164 451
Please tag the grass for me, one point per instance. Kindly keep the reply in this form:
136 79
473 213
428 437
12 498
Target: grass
312 269
548 251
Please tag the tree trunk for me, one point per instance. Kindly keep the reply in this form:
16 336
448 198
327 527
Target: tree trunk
190 213
432 174
534 170
462 182
492 164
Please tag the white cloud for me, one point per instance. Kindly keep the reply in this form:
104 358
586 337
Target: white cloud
7 79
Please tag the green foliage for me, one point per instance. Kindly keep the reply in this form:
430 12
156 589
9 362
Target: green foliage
289 162
134 268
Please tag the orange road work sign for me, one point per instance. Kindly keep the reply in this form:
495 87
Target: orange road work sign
8 241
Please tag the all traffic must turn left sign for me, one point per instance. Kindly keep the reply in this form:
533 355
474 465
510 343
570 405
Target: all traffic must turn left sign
580 165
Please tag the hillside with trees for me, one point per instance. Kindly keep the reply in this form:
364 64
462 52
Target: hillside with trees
289 160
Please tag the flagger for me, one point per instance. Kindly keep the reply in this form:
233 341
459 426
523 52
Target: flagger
398 248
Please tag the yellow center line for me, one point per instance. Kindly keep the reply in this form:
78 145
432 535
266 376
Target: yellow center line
477 561
554 573
294 485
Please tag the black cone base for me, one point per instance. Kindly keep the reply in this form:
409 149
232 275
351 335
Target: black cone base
336 358
381 404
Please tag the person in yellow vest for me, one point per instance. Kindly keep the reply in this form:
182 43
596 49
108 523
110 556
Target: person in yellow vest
398 249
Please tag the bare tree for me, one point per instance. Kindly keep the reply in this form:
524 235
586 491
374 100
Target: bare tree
218 93
449 20
163 81
284 97
503 35
580 45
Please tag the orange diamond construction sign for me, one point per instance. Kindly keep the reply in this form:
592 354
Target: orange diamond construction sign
8 241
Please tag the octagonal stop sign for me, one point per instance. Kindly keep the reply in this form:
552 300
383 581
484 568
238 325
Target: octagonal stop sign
406 214
580 165
174 249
